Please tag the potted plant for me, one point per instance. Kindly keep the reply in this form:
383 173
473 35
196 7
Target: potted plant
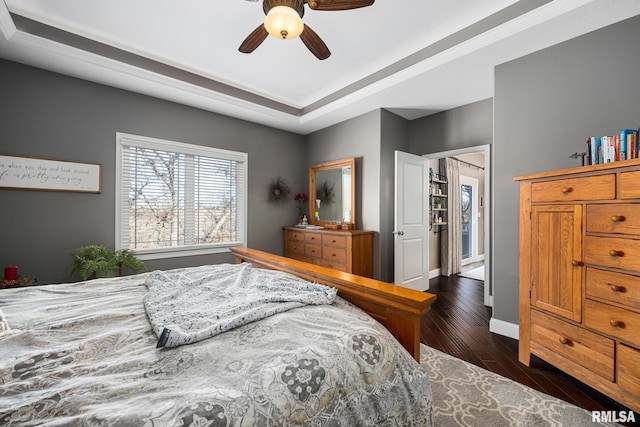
126 258
439 202
93 260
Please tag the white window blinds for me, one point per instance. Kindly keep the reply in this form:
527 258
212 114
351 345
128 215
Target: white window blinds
175 197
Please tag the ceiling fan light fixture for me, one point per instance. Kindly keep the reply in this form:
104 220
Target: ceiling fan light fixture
283 22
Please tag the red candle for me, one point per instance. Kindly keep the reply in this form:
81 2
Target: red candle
11 272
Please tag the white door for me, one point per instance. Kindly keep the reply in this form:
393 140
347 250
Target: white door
411 221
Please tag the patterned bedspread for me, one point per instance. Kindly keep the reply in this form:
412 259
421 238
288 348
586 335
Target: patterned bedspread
84 354
187 307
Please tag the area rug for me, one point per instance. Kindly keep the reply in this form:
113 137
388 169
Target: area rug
467 395
476 273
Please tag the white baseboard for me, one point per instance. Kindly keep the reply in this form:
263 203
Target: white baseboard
501 327
434 273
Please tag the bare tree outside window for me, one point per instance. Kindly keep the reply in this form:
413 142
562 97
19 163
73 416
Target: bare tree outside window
154 198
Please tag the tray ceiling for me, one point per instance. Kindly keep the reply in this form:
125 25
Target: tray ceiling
413 57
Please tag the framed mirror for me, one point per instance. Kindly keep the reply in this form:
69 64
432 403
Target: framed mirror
332 192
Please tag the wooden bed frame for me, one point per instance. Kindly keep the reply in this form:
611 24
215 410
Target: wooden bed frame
398 308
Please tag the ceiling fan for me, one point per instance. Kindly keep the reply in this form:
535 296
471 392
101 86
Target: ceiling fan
284 21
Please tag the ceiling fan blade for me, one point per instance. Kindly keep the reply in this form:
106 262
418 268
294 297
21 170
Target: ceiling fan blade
338 4
314 43
254 39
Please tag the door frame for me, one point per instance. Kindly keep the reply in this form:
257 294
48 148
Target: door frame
488 211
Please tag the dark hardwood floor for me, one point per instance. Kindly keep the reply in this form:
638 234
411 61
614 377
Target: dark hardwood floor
458 324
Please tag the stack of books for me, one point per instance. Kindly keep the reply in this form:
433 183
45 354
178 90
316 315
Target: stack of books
613 148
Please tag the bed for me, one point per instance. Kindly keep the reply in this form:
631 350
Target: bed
116 351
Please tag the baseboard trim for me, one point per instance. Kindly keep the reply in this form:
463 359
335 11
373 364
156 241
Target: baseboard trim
434 273
501 327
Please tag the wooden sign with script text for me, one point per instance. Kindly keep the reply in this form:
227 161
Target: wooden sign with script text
54 175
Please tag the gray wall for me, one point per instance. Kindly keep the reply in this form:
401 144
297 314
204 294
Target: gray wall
54 116
463 127
545 105
394 136
360 138
372 138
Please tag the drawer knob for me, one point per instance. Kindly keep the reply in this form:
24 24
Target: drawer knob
616 323
614 252
577 263
616 288
617 218
564 341
567 190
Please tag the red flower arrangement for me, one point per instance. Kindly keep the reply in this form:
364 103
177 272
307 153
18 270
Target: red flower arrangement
300 199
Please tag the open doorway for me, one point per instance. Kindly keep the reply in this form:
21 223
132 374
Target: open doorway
475 204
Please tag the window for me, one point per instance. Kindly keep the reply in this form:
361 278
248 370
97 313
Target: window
176 199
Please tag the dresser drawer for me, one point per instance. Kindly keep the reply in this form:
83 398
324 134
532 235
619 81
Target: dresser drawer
629 188
335 255
294 247
330 264
628 369
613 321
614 218
616 287
335 241
313 238
612 252
294 235
600 187
583 347
313 251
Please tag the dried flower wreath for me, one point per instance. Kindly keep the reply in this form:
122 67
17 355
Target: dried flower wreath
279 190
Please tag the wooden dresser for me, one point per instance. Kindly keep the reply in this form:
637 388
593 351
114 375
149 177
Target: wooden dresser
580 274
345 250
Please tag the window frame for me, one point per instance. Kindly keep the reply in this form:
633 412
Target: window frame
124 139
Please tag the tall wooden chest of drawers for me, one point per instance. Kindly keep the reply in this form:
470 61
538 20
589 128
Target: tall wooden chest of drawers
346 250
580 274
